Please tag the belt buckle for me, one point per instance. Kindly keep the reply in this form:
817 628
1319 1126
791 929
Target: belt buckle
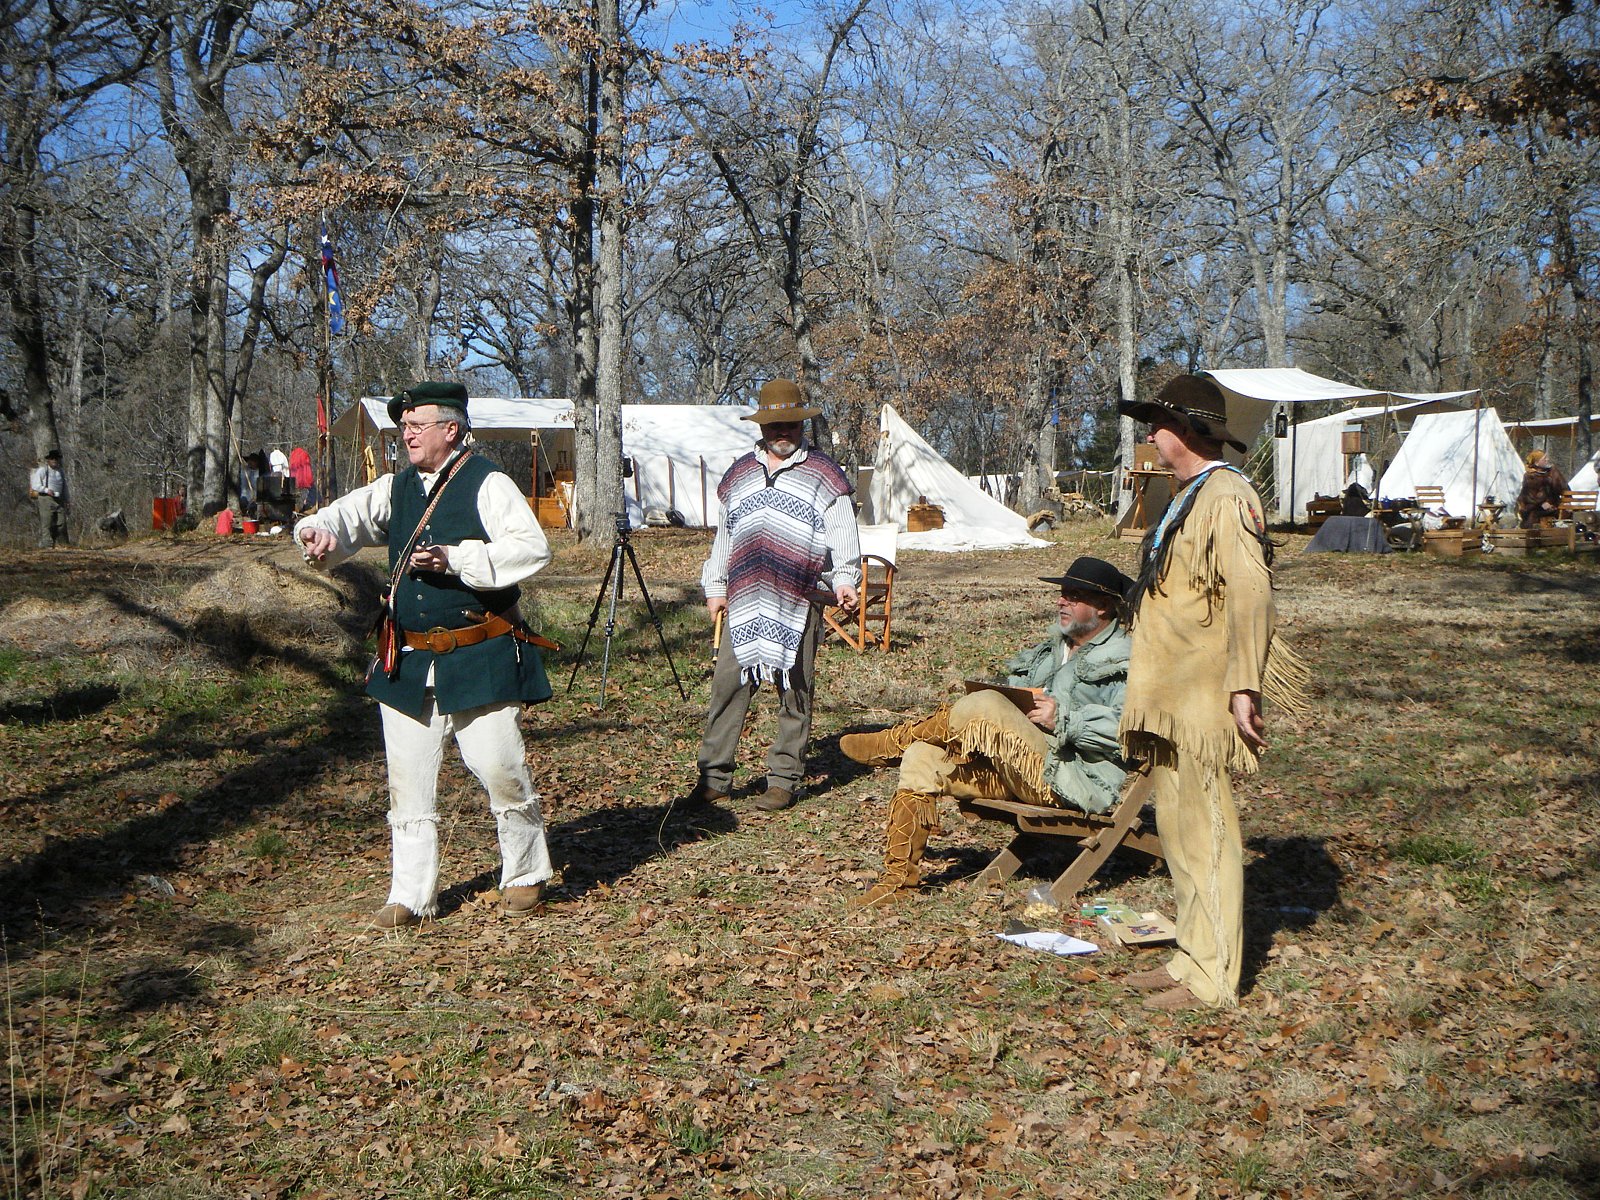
434 634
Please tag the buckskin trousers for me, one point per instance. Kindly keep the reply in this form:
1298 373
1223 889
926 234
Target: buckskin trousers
490 741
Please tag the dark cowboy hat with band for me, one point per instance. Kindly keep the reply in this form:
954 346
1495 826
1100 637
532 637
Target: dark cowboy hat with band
445 395
1189 402
1092 575
780 400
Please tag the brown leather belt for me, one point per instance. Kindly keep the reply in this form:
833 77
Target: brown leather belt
442 641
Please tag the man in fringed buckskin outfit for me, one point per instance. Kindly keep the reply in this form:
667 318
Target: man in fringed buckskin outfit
1202 628
1062 751
461 537
787 519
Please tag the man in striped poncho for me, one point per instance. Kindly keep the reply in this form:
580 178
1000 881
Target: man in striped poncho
787 520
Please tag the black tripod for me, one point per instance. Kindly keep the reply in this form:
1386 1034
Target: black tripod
613 581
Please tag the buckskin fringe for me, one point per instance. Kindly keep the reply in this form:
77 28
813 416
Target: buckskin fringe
1286 680
1005 748
1160 735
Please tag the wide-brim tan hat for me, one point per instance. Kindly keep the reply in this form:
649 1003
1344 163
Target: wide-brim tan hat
1188 401
780 400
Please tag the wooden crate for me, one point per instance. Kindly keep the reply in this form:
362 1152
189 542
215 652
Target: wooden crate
1452 543
1519 542
922 517
1320 509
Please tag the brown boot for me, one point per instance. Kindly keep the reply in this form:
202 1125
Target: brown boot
912 817
885 747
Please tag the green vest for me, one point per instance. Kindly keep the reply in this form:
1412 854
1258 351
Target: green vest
496 671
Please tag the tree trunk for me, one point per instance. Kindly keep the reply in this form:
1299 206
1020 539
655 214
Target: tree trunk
609 275
585 335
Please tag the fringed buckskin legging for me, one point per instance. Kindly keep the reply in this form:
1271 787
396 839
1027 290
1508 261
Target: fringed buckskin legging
992 751
1199 827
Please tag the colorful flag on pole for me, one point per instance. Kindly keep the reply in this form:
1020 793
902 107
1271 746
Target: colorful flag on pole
330 274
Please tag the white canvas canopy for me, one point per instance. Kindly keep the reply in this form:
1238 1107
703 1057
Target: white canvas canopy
907 468
1452 450
493 417
1253 392
679 451
1311 461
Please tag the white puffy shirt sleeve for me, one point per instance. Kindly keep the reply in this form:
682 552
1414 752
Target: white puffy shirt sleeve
516 547
356 520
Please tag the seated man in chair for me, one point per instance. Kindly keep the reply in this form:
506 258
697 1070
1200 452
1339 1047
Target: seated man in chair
1062 752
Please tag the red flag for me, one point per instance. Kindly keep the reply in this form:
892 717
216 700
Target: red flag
322 416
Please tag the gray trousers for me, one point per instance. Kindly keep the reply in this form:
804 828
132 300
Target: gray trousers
730 701
52 521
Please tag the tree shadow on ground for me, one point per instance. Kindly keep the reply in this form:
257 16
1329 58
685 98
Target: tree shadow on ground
70 879
1289 884
66 705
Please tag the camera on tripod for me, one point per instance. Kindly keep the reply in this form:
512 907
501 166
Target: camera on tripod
622 524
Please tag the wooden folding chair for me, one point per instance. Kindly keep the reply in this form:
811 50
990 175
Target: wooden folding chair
869 624
1097 834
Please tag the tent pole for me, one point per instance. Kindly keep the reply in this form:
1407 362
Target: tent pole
1477 436
1294 464
705 517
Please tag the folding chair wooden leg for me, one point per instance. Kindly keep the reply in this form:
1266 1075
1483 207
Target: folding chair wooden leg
1096 849
1097 835
1005 864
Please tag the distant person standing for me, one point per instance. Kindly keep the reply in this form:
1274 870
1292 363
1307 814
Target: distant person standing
787 520
47 487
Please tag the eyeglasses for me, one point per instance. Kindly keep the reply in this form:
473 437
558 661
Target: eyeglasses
407 428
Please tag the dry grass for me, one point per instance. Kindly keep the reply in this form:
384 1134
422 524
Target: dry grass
698 1014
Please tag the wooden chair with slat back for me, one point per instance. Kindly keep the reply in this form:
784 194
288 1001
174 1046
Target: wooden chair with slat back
1430 496
1578 506
869 625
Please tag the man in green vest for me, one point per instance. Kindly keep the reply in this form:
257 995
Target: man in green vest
455 659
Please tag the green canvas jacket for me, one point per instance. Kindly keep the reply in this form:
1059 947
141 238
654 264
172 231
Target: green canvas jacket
1085 767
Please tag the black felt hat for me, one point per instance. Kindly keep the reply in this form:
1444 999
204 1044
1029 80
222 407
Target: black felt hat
1092 575
445 395
1189 401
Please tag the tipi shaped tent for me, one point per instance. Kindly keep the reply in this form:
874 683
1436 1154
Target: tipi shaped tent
907 468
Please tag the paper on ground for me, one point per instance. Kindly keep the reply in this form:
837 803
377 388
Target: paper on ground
1053 943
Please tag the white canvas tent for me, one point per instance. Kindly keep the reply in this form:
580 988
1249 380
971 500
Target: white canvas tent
1443 449
1311 462
1587 477
679 451
907 468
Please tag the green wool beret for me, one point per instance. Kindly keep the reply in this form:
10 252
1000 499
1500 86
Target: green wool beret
445 395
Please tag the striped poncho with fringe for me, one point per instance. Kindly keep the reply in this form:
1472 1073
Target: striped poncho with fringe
1204 627
777 548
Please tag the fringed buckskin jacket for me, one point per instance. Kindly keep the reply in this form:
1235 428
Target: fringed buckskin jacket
1205 633
1084 766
